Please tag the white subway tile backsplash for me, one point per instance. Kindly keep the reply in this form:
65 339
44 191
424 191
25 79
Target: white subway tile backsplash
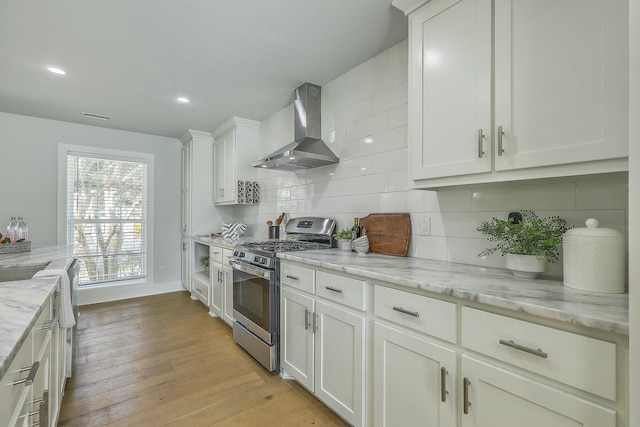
353 113
368 69
384 81
391 161
465 224
454 200
603 194
465 251
356 185
536 197
391 98
398 180
399 116
382 142
428 247
375 124
399 53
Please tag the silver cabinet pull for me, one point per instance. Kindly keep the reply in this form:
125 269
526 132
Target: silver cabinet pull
500 148
465 395
480 150
404 311
443 384
306 318
32 374
329 288
538 352
293 277
315 326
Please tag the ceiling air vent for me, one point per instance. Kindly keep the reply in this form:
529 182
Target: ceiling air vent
95 116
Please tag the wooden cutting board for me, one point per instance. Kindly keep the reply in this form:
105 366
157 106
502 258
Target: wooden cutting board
389 234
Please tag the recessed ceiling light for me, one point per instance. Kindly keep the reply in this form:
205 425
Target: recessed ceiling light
56 70
183 100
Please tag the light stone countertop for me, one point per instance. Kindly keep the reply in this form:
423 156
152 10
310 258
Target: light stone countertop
495 287
21 301
225 243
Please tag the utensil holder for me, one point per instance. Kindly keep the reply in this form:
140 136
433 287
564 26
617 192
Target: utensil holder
274 232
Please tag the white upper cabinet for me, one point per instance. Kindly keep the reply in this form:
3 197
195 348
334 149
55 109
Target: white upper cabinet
526 89
198 210
234 148
450 94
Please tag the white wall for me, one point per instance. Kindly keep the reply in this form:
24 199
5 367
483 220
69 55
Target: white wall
364 121
29 176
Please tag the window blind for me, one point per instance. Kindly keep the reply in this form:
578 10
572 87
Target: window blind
107 217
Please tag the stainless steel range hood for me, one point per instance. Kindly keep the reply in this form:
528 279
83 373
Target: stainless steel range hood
307 150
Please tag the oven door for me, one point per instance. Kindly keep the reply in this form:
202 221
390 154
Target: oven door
255 299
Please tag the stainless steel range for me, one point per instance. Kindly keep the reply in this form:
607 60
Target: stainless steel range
256 285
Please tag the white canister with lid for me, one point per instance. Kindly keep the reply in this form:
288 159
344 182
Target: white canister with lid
594 259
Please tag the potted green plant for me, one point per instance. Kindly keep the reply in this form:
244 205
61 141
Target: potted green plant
344 237
204 260
527 241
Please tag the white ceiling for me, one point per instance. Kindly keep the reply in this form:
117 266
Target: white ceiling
131 59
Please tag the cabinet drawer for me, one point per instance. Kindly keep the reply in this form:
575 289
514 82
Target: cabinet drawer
12 395
43 327
226 254
579 361
427 315
215 253
297 277
341 289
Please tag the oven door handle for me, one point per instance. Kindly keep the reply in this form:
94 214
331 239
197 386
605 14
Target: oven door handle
249 269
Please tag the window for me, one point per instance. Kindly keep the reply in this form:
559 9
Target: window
106 215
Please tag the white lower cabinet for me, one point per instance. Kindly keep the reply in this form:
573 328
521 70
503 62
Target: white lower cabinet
323 345
339 360
414 380
498 397
443 363
30 390
221 304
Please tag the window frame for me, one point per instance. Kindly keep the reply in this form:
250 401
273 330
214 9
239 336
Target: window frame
132 156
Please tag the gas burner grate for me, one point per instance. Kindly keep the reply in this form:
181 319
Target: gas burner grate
283 245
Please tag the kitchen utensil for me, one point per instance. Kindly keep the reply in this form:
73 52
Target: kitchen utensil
594 259
280 218
388 234
269 223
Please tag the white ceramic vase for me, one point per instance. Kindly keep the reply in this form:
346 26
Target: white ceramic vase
345 245
526 266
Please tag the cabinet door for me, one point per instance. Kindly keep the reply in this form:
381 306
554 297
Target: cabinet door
217 279
219 169
502 398
186 188
339 361
186 257
561 93
450 96
296 336
410 388
228 295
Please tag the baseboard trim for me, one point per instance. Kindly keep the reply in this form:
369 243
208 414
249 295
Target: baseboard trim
125 291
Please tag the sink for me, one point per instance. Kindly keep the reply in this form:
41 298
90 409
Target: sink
20 273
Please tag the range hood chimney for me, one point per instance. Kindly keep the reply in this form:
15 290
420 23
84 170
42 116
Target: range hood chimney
307 150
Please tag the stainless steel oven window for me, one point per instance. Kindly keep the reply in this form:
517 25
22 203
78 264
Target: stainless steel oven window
255 299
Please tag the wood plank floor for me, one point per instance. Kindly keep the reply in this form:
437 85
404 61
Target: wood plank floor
163 361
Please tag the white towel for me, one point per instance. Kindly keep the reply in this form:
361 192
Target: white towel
66 319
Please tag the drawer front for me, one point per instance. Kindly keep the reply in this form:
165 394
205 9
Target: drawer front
43 327
215 253
226 255
201 291
12 396
586 363
343 290
427 315
294 276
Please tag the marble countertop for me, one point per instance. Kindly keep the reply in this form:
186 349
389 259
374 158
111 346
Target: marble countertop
495 287
225 243
21 301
